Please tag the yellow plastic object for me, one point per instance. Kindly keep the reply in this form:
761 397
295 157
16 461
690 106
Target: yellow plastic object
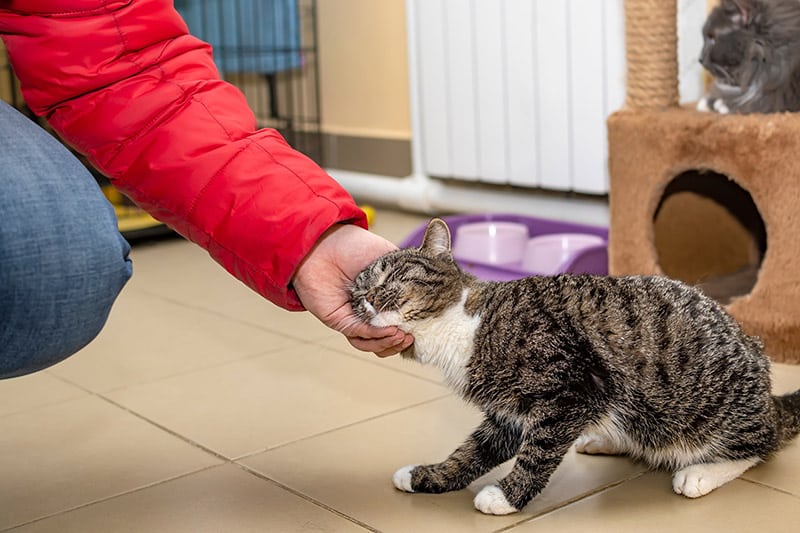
370 212
129 217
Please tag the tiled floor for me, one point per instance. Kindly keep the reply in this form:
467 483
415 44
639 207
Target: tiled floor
202 407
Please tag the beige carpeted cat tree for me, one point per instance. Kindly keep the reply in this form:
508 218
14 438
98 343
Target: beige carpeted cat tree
710 199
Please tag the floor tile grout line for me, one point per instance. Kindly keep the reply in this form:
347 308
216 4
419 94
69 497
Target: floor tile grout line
378 364
149 421
160 379
338 428
245 357
571 501
50 403
306 497
197 307
302 342
230 461
235 462
225 461
770 487
256 452
111 497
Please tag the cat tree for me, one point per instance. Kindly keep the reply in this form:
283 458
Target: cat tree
704 197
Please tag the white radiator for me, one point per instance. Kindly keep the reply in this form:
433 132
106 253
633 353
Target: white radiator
518 91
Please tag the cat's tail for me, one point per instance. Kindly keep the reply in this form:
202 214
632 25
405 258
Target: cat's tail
787 409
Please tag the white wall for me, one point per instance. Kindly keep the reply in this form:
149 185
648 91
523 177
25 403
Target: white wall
691 17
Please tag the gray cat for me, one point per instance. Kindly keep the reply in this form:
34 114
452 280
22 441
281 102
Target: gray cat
642 366
752 50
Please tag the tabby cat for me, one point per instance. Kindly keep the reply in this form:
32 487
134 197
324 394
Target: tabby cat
642 366
752 50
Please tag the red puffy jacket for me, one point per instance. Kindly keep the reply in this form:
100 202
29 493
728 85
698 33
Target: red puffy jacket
125 84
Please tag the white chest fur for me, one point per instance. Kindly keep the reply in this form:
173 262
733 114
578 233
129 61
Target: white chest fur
447 342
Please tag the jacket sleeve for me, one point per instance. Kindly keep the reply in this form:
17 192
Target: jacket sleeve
125 84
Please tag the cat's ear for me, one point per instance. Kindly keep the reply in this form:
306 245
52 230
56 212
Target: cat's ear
746 8
437 238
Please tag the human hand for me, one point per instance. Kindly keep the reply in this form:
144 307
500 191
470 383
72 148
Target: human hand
323 278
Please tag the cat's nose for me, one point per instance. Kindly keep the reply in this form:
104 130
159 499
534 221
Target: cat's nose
366 309
372 298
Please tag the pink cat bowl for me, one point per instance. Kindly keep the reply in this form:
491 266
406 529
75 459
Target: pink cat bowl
547 254
492 242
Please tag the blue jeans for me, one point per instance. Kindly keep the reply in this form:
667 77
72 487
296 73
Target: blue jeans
62 260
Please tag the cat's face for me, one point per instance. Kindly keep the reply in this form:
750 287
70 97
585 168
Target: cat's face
728 38
409 285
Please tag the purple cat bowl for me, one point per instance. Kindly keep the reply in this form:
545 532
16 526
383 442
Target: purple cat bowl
591 257
493 242
547 254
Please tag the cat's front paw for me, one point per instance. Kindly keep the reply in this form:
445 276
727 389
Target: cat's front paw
721 108
712 105
491 500
402 478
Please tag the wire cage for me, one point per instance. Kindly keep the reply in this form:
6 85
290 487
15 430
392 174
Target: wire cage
268 49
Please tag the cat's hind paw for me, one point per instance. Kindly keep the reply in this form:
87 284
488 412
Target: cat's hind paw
402 478
594 444
691 483
491 500
703 105
700 479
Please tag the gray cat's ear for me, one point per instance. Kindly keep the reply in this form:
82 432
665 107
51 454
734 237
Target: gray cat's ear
437 238
746 8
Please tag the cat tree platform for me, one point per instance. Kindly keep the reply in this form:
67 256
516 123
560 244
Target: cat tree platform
649 150
713 200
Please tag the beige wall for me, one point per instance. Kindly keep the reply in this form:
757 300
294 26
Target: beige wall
363 68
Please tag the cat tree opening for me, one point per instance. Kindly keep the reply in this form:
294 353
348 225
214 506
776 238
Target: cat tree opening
709 232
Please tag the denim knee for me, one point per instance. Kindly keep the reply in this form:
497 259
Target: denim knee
56 299
62 260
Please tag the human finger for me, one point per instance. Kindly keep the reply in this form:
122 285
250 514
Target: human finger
383 347
363 330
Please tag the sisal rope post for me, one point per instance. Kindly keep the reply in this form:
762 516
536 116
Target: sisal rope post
651 34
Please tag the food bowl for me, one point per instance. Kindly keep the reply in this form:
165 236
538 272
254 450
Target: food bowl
591 260
547 254
491 242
